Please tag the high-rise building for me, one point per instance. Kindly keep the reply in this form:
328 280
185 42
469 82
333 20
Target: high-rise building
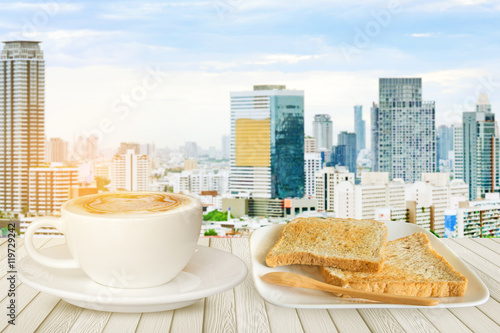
323 131
406 129
327 180
49 188
480 150
374 117
458 151
126 146
201 180
312 164
129 172
445 143
359 127
373 193
226 147
190 165
267 143
147 149
92 141
57 150
345 152
22 120
436 190
310 145
191 150
474 219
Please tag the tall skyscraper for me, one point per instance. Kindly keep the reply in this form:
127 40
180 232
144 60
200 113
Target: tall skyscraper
92 141
445 136
480 150
359 127
267 143
345 152
312 164
406 135
458 151
374 112
126 146
323 131
191 150
129 172
22 120
49 188
326 180
226 146
57 150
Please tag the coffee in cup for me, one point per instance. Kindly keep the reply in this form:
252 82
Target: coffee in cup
125 239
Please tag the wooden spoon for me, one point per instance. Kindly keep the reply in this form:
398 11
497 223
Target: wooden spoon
301 281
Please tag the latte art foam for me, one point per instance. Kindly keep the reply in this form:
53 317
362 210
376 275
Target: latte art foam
129 203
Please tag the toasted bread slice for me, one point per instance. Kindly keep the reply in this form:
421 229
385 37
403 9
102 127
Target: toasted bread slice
356 245
411 268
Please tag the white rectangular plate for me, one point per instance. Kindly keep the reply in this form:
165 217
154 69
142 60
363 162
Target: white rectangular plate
263 239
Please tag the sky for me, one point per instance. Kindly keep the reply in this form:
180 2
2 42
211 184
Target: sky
157 71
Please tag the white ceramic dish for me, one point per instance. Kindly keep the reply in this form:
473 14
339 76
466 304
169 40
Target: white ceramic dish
209 272
263 239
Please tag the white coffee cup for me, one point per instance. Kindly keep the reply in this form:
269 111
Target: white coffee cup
124 247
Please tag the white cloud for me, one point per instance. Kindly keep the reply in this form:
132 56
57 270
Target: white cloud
272 59
145 10
64 34
197 102
46 6
425 35
447 5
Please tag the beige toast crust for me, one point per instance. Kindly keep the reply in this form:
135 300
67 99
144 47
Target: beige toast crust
350 244
412 268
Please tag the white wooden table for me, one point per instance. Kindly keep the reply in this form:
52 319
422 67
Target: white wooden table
242 309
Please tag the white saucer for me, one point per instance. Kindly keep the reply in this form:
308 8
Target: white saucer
209 272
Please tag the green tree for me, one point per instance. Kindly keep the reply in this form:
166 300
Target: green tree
216 215
211 232
102 182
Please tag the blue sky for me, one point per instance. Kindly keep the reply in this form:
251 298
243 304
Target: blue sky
99 51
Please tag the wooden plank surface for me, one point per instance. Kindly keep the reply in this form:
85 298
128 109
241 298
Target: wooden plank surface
413 321
61 319
155 322
494 246
90 321
188 319
283 320
348 320
444 320
316 321
380 320
488 272
242 310
484 252
26 296
251 311
122 322
220 310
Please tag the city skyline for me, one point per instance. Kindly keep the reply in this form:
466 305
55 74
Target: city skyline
197 52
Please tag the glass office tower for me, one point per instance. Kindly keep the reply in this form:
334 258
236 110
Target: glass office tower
406 133
267 143
359 127
323 131
480 150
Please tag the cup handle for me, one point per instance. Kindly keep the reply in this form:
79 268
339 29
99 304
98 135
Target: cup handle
35 254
